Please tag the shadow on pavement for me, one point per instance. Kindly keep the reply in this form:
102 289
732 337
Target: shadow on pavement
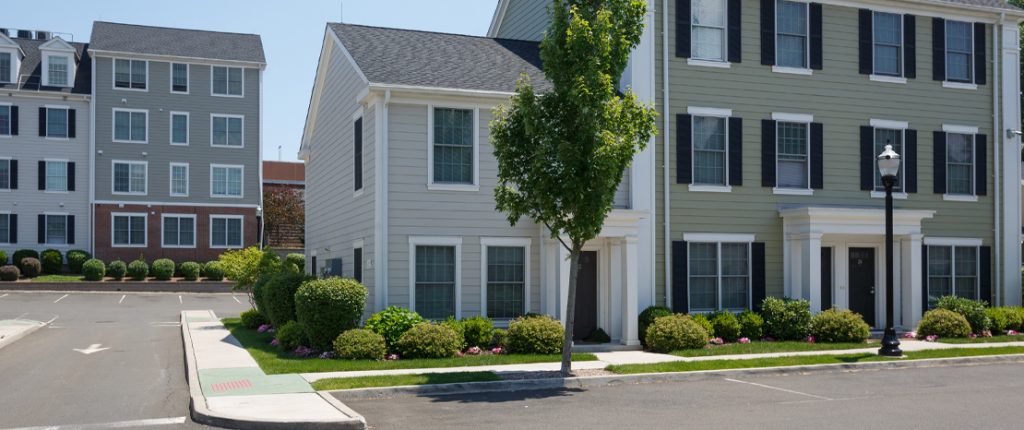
504 396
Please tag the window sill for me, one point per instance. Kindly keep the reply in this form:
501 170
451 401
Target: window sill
792 192
959 85
177 247
226 247
128 246
357 193
888 79
213 196
179 144
179 195
128 194
57 138
234 96
709 63
710 188
453 187
138 142
959 198
139 90
56 191
228 146
895 195
792 70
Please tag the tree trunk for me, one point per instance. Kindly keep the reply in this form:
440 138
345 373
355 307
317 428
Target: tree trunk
570 310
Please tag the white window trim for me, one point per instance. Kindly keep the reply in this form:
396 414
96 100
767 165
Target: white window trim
229 116
718 260
170 74
431 185
241 231
113 76
792 191
709 63
793 118
485 244
901 79
45 72
113 125
724 62
227 166
946 83
145 229
46 235
67 164
188 179
954 243
706 111
163 232
959 85
113 179
959 198
170 130
67 117
895 195
715 113
415 241
959 129
15 64
902 127
719 237
807 43
891 125
11 117
888 79
701 188
213 94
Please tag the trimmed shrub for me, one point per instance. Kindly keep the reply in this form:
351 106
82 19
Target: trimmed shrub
500 337
834 326
943 323
786 319
30 267
647 318
972 310
360 344
76 260
429 340
53 261
163 269
9 273
3 257
1016 315
291 335
22 254
190 270
213 271
138 270
726 326
297 260
456 326
392 323
535 335
1004 318
751 325
478 331
94 270
117 269
704 323
328 307
675 332
278 297
253 319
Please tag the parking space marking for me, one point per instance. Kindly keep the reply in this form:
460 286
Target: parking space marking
179 300
5 295
122 299
113 425
61 298
814 396
236 299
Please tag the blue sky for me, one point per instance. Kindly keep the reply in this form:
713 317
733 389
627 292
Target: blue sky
292 33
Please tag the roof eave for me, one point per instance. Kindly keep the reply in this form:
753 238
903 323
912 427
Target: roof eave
378 87
160 57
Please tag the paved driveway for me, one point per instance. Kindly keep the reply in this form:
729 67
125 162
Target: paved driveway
136 376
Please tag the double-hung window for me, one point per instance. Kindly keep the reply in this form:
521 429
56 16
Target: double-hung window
952 271
225 231
131 126
6 67
435 281
227 81
56 122
179 231
6 174
6 228
56 176
6 120
179 78
506 281
129 230
719 276
888 44
791 34
57 72
959 51
453 147
226 181
179 128
129 177
179 179
226 131
960 160
793 156
56 229
709 22
894 137
709 150
130 74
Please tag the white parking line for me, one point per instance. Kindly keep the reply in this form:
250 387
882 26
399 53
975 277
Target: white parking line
5 295
179 300
122 299
113 425
61 298
236 299
779 389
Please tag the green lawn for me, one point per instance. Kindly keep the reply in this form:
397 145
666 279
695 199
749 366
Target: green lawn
992 339
397 380
58 278
804 360
273 360
768 347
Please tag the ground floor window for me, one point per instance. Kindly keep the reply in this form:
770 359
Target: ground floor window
952 271
6 228
357 264
130 230
435 281
179 231
506 281
225 232
56 229
719 276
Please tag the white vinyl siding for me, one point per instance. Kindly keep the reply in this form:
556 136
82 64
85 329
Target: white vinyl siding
719 276
226 181
129 230
130 74
952 271
227 81
225 231
791 34
960 164
709 22
959 51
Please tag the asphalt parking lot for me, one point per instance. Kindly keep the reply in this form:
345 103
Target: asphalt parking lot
104 360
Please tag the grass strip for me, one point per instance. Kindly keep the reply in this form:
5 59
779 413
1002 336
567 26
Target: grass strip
399 380
770 347
58 278
993 339
274 360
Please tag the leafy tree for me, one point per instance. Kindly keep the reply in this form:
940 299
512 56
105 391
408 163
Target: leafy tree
561 154
282 207
246 266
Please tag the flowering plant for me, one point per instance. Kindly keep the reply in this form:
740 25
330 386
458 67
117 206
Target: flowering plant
910 335
810 339
986 333
304 351
931 338
972 336
473 350
497 350
1012 333
744 340
717 341
391 357
274 343
460 354
263 328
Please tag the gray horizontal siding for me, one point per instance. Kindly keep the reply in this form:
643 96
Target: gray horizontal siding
525 20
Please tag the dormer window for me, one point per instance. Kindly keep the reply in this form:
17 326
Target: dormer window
6 67
57 71
58 68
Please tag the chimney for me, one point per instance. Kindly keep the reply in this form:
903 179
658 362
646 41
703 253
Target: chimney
42 35
24 34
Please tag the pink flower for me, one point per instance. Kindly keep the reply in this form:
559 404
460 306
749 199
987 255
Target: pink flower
1012 333
263 328
810 339
717 341
744 340
910 335
460 354
304 351
986 333
972 336
391 357
497 350
931 338
274 343
473 350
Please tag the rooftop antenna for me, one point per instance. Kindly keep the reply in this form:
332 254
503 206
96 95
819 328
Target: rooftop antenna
278 152
341 11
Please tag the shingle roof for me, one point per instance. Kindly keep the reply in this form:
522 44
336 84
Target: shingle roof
141 39
30 73
997 4
441 60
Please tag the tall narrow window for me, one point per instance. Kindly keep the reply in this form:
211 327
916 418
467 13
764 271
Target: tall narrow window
952 271
5 174
130 74
709 150
225 232
435 281
58 72
179 128
719 276
179 78
793 155
959 51
6 67
227 81
227 131
179 179
709 29
959 164
357 264
130 126
791 34
884 136
129 230
5 120
357 155
453 146
226 181
56 176
888 40
506 280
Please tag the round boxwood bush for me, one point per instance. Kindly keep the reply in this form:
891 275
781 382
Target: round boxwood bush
429 340
972 310
291 335
278 296
726 326
500 338
163 269
297 260
138 270
943 323
535 335
705 323
30 267
117 269
94 270
478 331
647 318
360 344
53 261
76 260
456 325
392 323
786 319
253 319
328 307
835 326
213 271
675 332
22 254
751 325
9 273
3 257
190 270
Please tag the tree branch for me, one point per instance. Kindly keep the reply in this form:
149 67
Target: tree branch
559 237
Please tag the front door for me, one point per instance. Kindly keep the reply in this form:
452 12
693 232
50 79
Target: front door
862 283
586 296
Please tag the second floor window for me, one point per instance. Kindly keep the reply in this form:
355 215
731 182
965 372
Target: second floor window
8 170
130 126
960 164
130 74
793 155
6 67
6 120
959 51
709 150
892 137
179 179
179 78
179 128
709 29
129 178
56 122
56 175
791 34
227 131
453 146
226 181
227 81
888 44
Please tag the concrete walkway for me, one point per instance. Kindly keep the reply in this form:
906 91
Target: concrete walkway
12 330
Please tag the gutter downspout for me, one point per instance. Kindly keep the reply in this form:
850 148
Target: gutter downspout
665 153
381 271
997 147
92 160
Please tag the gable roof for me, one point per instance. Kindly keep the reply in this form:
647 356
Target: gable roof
176 42
31 71
441 60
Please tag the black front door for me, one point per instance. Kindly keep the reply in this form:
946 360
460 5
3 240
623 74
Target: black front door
862 283
826 278
586 296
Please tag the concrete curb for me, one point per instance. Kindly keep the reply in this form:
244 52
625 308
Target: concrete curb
12 338
649 378
202 414
120 287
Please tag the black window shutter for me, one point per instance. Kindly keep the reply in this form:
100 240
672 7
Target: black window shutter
924 278
816 37
939 156
735 31
683 28
985 276
71 229
14 228
865 41
768 32
817 156
684 149
312 266
71 176
909 46
357 155
14 174
736 151
357 264
42 121
980 164
41 229
938 49
14 120
767 153
867 158
680 278
41 176
71 123
758 281
980 61
910 161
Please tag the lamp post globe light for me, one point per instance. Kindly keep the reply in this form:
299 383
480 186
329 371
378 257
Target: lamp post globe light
889 167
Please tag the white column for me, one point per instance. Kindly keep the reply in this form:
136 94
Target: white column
630 305
1011 168
810 269
787 262
616 286
795 262
911 282
563 282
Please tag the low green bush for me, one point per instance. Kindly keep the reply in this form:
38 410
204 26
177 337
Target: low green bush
291 336
296 260
751 325
278 296
360 344
1017 318
535 335
726 326
972 310
138 270
9 273
429 340
213 271
190 270
22 254
30 267
705 323
163 269
52 260
647 318
392 323
478 331
943 323
253 319
839 326
117 269
786 319
329 307
500 338
675 332
94 270
3 257
76 260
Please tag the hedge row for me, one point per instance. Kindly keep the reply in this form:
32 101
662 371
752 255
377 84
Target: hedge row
93 269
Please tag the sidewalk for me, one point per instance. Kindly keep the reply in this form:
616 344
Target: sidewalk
12 330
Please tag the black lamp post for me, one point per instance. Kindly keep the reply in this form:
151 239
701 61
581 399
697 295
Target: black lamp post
889 167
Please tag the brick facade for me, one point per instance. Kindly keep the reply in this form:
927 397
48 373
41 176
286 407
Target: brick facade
202 251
